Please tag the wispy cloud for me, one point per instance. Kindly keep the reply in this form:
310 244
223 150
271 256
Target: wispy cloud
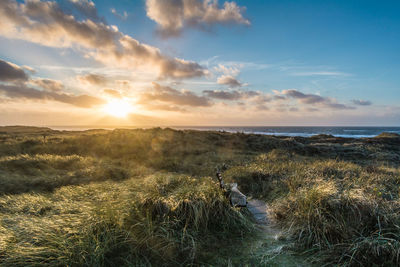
122 16
361 102
320 73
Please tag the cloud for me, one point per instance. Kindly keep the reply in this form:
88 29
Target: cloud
94 79
304 98
49 84
17 88
151 106
227 70
11 72
230 95
30 69
257 100
113 93
279 97
320 73
172 96
173 15
229 80
262 108
223 95
87 8
24 92
361 102
312 99
338 106
122 16
45 23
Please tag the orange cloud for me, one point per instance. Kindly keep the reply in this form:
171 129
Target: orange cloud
172 16
44 22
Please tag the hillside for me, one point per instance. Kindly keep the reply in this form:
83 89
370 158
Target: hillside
149 197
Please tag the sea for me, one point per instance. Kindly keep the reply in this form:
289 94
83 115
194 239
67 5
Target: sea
349 132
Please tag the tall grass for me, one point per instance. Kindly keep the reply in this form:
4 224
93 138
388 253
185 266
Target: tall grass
346 213
163 220
45 172
145 197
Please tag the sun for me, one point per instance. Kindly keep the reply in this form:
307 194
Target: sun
119 108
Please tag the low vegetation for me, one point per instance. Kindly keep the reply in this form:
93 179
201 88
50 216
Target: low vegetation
148 197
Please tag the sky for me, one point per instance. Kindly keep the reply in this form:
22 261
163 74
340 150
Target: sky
200 62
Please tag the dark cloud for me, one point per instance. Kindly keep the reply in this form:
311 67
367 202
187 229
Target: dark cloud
304 98
10 72
361 102
230 95
24 92
173 15
223 95
172 96
46 23
312 99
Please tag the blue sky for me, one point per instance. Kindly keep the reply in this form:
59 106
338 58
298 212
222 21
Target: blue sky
300 62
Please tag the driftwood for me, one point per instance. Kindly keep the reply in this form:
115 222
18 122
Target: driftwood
237 198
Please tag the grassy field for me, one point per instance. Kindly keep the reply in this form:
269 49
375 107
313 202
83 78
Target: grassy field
149 198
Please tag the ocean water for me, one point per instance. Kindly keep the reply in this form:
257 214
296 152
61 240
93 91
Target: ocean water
350 132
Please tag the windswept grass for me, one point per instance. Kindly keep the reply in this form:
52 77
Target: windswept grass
45 172
146 197
164 219
346 213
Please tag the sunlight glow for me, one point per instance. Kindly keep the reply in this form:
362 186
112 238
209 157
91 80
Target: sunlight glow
118 108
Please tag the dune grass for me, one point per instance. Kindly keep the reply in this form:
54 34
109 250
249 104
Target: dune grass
164 219
340 212
148 197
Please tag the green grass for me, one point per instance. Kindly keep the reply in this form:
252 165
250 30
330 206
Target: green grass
344 212
148 198
162 219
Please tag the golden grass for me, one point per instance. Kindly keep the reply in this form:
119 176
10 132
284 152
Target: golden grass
146 197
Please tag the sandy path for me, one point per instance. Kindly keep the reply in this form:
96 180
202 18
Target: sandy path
272 250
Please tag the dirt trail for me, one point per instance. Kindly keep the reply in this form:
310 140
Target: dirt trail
272 249
259 210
